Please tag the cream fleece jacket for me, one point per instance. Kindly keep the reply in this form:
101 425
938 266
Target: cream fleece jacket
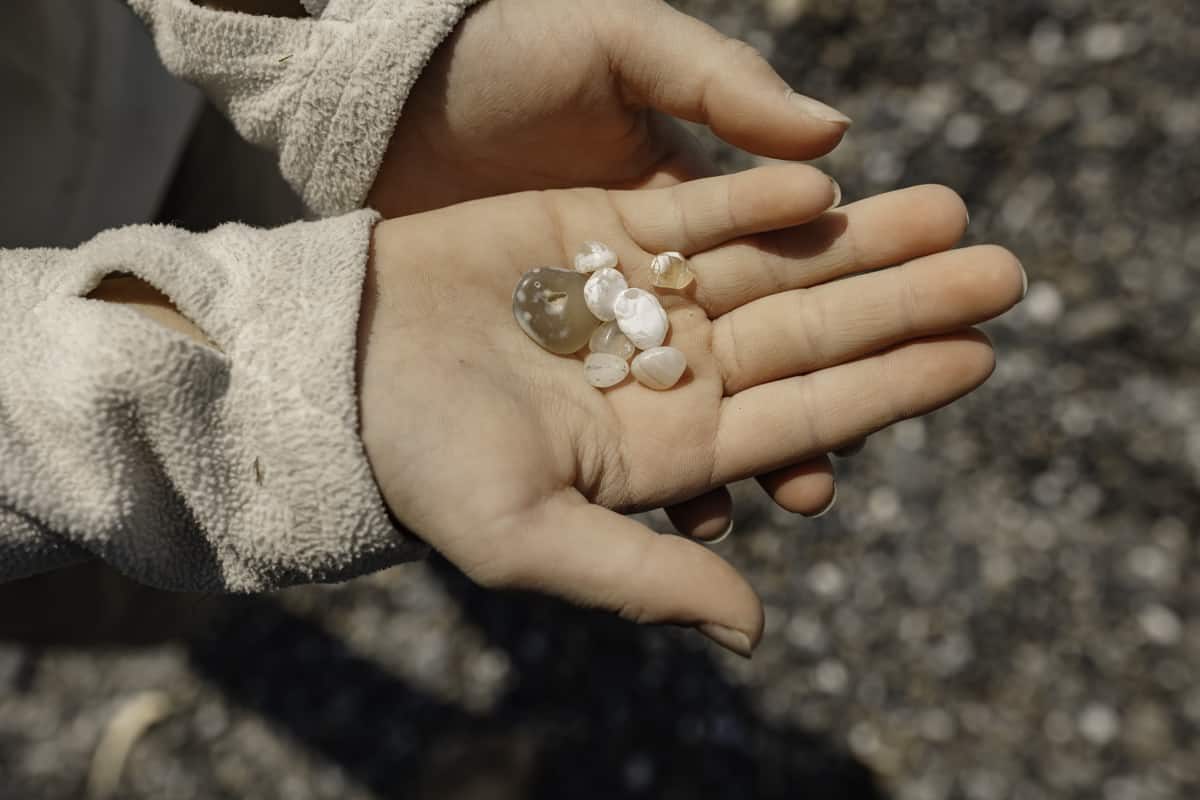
324 93
193 468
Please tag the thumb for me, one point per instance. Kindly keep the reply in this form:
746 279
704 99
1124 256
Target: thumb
594 557
675 63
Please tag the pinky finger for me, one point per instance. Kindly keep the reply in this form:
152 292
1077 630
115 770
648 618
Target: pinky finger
708 517
808 488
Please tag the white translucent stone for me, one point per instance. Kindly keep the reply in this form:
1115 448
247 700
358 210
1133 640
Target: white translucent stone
671 271
593 256
660 367
642 318
609 339
602 290
603 370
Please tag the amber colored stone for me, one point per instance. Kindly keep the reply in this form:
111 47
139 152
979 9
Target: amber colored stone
671 271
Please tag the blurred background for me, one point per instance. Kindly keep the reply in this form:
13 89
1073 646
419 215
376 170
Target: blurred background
1005 605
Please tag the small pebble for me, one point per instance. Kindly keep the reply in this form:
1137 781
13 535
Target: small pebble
549 306
671 271
660 367
642 318
609 339
603 370
602 290
593 256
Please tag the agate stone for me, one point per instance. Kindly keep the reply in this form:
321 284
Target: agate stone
593 256
549 306
602 290
660 367
603 370
642 318
609 340
671 271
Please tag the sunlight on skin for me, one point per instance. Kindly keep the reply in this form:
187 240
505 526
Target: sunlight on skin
805 331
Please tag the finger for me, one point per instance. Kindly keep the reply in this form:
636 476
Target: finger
884 230
796 332
732 88
594 557
808 488
698 215
681 157
775 424
708 517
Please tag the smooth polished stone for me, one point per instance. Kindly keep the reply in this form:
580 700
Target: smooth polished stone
602 290
642 318
603 370
671 271
660 367
609 339
593 256
549 306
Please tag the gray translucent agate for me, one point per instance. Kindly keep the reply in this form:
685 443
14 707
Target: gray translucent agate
549 305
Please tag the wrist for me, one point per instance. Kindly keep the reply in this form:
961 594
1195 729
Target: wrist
148 301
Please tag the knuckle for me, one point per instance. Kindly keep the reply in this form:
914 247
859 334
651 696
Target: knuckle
498 572
811 314
742 50
726 348
814 434
908 307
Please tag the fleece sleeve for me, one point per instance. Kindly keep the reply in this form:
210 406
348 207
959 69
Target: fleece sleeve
324 92
234 467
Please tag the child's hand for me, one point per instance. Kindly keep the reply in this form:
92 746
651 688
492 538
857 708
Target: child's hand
502 457
538 94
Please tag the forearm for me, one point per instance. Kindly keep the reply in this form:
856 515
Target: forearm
226 459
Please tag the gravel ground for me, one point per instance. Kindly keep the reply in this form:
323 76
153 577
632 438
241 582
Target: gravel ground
1006 603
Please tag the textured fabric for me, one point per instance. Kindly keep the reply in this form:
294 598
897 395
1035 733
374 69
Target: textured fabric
185 466
325 93
91 123
238 468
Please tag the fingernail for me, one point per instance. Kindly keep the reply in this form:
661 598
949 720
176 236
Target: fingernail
828 508
815 108
723 536
728 638
1024 281
837 195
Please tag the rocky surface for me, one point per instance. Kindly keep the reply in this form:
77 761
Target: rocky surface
1004 606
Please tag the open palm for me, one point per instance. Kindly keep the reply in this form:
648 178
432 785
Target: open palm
503 458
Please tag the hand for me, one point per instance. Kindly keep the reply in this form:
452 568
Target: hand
539 94
503 458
